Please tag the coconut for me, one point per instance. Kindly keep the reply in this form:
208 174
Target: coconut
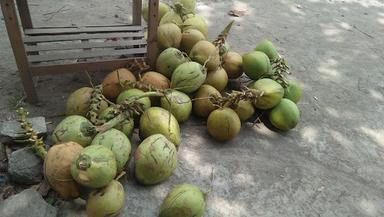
256 65
183 200
244 110
157 120
113 82
202 105
74 128
126 94
285 115
188 77
168 35
188 6
155 159
204 52
233 64
293 91
273 92
108 201
189 38
78 102
156 80
178 103
163 9
126 126
223 124
171 17
94 166
169 60
57 169
196 22
268 48
118 143
217 79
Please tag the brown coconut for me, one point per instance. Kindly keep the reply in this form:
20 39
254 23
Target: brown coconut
189 38
202 105
233 64
156 80
78 102
204 52
223 124
57 170
111 85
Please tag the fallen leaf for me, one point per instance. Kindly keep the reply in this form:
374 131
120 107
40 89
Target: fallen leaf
237 13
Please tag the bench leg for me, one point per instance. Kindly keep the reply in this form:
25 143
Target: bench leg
15 37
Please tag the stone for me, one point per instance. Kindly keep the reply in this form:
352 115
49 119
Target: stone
27 203
25 167
3 158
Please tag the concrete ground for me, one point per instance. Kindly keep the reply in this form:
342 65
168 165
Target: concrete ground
331 164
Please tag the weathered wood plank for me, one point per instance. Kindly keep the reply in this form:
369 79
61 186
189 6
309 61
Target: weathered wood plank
90 66
85 29
82 36
25 15
136 12
85 45
84 54
153 20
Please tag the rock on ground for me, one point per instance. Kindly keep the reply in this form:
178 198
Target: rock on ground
25 167
27 203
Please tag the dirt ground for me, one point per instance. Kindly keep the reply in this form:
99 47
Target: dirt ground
332 164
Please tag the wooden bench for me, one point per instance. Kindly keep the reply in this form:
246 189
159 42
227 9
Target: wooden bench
57 50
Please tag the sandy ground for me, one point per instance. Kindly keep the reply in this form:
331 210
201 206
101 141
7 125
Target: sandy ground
330 165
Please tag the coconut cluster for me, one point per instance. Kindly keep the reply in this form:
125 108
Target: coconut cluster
190 77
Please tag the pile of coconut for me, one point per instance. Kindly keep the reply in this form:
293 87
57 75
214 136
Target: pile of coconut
92 143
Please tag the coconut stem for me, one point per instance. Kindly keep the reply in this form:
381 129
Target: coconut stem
280 68
220 40
84 162
95 105
36 143
232 99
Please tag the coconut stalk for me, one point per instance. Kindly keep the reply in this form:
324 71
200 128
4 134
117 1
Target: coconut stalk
94 107
231 100
34 141
222 37
280 69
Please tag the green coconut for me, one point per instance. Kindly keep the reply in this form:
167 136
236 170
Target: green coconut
293 91
74 128
79 101
204 52
202 105
108 201
183 200
233 64
163 9
118 143
268 48
169 60
244 110
94 167
217 79
256 65
196 22
126 94
223 124
126 126
188 77
155 160
273 92
168 35
189 38
156 120
178 103
285 115
188 6
171 17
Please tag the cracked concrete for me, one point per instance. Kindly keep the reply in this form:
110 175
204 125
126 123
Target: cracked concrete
331 164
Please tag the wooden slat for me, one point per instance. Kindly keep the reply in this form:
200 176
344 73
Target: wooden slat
84 54
90 66
25 16
69 30
153 20
136 12
50 38
84 45
14 32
